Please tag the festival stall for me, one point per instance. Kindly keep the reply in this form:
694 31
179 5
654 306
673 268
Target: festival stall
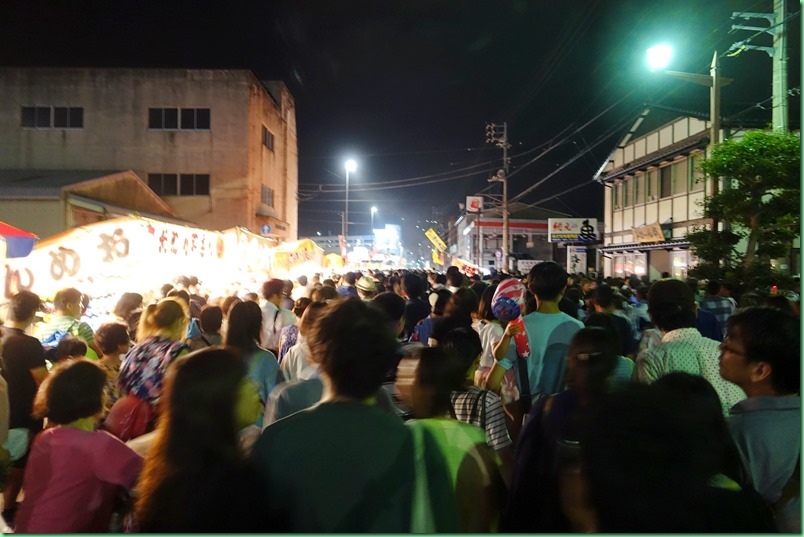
292 259
333 262
115 256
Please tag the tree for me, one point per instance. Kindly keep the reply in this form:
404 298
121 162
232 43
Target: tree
762 206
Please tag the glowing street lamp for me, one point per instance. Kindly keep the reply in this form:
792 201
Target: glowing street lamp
350 166
659 57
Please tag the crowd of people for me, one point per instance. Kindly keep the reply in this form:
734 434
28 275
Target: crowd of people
397 401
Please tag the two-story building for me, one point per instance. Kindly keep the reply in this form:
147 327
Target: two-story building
217 147
654 196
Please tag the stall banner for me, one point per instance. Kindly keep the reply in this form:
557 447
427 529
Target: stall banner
571 229
470 269
114 256
436 240
438 257
576 259
649 233
247 251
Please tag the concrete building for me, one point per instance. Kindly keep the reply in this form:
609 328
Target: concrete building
653 198
218 147
527 227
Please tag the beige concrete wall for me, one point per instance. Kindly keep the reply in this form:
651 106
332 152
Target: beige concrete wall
115 135
43 217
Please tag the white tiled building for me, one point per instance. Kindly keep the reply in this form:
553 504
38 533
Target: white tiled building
653 198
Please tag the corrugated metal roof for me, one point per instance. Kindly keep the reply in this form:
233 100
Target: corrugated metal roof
44 184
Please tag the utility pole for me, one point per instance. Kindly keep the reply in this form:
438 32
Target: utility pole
778 53
498 135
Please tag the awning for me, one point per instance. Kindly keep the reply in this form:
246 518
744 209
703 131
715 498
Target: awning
637 246
665 153
18 243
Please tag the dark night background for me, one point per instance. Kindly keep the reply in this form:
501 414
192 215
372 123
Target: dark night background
406 87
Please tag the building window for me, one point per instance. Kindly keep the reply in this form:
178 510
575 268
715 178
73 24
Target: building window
52 117
267 196
615 195
185 184
680 177
665 182
627 192
192 119
267 138
697 180
639 189
650 185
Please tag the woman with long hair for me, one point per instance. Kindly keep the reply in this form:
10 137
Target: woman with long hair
549 446
245 328
160 340
195 479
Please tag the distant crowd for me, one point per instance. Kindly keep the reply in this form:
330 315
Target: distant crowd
405 401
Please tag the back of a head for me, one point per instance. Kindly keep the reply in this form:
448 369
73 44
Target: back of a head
462 304
390 304
773 336
547 280
454 279
413 285
647 454
302 280
227 303
325 292
128 302
245 325
73 390
109 337
24 306
272 287
604 296
167 318
440 303
300 305
594 351
604 321
198 405
182 295
671 305
464 345
353 346
484 306
65 297
712 287
70 347
434 381
210 319
350 278
311 315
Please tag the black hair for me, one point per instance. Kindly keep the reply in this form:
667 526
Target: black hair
412 285
110 336
23 306
210 319
773 336
464 345
390 304
73 390
547 280
353 347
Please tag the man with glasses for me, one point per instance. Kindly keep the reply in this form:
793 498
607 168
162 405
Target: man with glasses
761 354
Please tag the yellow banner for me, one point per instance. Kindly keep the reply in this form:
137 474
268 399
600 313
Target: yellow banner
438 257
649 233
436 240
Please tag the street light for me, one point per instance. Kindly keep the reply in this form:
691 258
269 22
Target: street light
350 166
659 57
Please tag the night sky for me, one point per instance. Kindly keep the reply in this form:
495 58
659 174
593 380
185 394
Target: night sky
405 87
